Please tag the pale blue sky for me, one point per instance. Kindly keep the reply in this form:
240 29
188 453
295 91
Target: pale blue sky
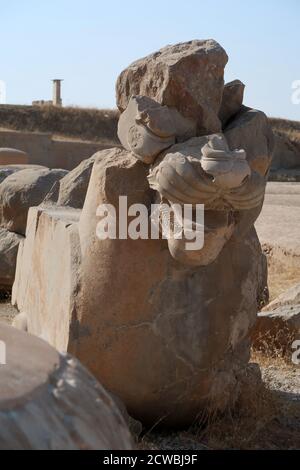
89 42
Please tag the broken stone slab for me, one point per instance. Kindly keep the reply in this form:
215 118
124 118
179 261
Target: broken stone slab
48 275
146 128
232 100
9 243
49 401
276 330
187 76
22 190
10 156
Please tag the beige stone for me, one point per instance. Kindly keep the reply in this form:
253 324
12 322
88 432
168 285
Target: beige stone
22 190
49 401
167 342
288 297
182 175
251 131
48 275
168 336
10 156
146 128
73 187
232 100
9 243
187 76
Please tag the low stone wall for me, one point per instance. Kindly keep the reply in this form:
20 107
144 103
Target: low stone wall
45 150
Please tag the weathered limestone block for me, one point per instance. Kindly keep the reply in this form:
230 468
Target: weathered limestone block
9 243
10 156
187 76
22 190
50 401
232 100
48 274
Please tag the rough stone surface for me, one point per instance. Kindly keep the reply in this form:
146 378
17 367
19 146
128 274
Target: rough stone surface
251 131
169 337
9 243
22 190
49 401
188 76
10 156
73 187
48 274
232 100
146 128
193 341
289 297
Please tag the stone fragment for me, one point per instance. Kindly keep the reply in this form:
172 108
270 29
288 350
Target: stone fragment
49 401
187 76
10 156
251 131
73 187
22 190
289 297
9 243
194 172
146 128
232 100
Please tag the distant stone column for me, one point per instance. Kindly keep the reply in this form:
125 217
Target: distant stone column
57 101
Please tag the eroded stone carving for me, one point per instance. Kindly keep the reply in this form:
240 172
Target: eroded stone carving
146 128
164 328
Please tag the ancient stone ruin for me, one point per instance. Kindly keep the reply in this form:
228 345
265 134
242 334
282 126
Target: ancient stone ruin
164 328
